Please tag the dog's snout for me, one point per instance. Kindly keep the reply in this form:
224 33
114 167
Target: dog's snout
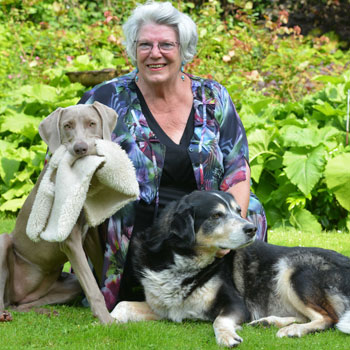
80 148
250 229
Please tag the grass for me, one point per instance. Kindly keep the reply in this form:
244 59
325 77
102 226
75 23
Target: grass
75 327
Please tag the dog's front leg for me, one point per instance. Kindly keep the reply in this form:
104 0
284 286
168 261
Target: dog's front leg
93 248
133 311
73 248
225 328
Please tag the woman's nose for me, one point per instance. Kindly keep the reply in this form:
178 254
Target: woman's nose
155 51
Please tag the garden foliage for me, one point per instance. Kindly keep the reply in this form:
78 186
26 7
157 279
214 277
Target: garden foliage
289 90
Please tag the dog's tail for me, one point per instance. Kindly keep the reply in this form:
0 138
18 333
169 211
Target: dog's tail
344 323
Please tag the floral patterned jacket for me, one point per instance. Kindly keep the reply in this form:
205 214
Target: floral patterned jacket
218 150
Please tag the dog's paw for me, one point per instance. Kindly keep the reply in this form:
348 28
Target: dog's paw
292 331
228 338
121 312
5 316
225 331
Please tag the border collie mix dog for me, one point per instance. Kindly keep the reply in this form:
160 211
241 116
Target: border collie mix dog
299 290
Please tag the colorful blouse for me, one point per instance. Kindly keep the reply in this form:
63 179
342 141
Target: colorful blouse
218 151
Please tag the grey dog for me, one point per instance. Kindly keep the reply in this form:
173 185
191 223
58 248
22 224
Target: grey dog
30 272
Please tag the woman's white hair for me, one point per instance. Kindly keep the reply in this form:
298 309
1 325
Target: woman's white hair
163 13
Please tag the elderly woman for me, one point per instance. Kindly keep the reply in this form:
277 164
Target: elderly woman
181 132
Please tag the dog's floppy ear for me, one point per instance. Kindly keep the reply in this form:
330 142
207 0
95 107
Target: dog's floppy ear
49 130
182 226
109 119
176 231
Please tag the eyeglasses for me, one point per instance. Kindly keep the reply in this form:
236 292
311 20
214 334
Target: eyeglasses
164 47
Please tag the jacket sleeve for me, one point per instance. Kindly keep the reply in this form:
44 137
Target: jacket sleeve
233 142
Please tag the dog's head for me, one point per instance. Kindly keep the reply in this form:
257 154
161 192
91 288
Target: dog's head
208 220
78 127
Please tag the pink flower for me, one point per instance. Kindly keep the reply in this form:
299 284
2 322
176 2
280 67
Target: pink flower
112 39
69 58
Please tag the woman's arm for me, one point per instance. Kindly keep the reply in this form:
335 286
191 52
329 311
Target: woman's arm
234 146
241 192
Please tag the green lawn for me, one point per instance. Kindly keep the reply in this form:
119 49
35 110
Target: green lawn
75 327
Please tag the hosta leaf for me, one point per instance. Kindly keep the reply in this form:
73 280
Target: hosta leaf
21 124
337 175
326 109
258 149
256 168
303 168
40 92
258 141
335 93
69 102
305 221
4 145
17 191
106 58
83 62
13 204
329 133
8 167
329 79
259 107
249 118
264 188
294 136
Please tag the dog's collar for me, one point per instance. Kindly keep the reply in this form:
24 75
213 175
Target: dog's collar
201 277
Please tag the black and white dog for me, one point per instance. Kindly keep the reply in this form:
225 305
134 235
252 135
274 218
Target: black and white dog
299 290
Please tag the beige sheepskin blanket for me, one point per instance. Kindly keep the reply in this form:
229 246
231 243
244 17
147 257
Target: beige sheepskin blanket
99 184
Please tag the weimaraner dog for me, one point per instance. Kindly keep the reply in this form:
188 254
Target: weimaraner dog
31 272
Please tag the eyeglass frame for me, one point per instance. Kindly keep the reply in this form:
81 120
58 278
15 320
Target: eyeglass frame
158 45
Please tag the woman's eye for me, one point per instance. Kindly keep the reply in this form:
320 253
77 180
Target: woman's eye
166 46
145 46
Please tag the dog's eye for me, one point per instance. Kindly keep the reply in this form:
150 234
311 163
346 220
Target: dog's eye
67 126
217 216
92 124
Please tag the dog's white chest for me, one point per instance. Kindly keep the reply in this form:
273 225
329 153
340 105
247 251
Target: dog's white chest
168 298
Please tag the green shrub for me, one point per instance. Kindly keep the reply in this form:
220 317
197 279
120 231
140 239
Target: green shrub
290 91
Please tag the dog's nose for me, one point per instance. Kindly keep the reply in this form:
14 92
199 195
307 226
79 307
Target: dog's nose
249 229
80 148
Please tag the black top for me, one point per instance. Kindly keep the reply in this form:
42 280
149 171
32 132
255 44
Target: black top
177 174
177 180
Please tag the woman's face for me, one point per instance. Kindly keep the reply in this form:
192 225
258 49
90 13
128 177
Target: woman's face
158 54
